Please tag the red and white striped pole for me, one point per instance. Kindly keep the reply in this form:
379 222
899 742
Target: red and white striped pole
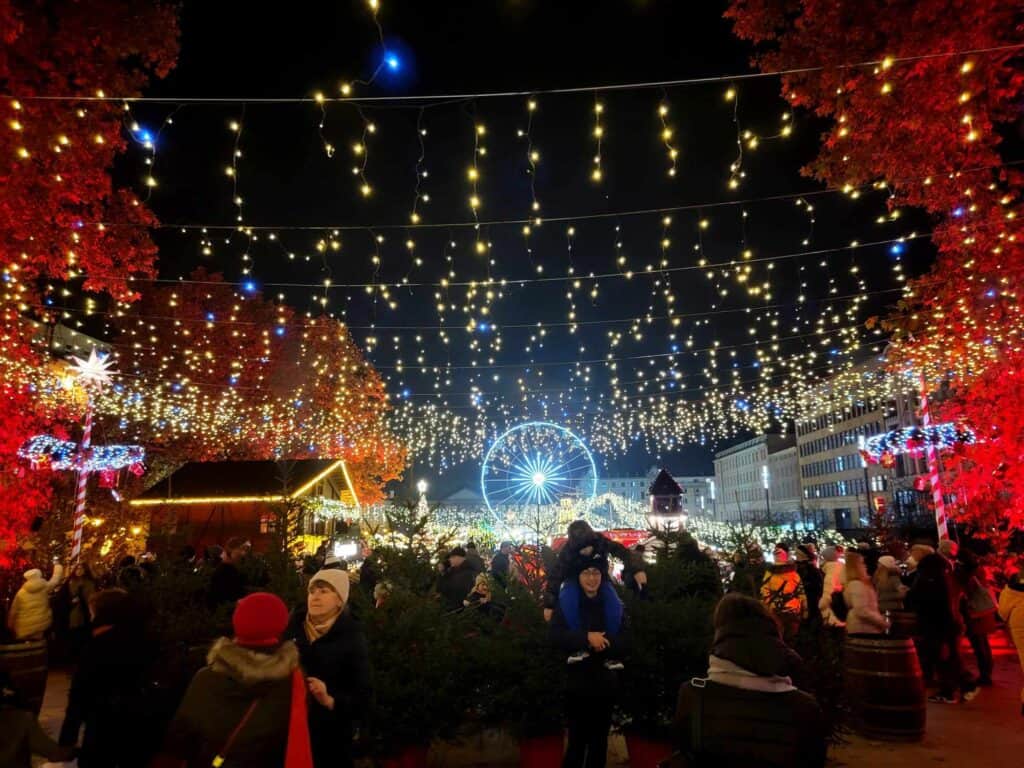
934 479
83 481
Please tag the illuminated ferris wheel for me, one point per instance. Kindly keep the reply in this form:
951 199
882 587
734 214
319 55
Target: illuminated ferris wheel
536 464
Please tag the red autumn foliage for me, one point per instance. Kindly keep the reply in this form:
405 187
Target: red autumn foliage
922 121
55 161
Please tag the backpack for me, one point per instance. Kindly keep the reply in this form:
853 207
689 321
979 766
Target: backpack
839 607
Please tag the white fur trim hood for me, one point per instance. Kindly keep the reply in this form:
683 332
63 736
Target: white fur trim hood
251 667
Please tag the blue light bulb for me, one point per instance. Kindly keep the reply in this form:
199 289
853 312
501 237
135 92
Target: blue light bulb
393 62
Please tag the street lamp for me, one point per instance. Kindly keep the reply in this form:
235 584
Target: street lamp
421 507
766 483
421 486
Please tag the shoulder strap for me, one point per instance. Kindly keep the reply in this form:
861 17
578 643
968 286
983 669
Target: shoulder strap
218 759
697 718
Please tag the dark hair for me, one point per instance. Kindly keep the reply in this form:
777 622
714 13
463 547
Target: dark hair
126 561
457 552
783 546
110 607
235 542
580 529
736 607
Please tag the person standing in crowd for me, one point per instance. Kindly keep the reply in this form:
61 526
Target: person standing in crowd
369 573
888 585
480 599
1011 610
783 594
456 580
228 585
590 624
833 580
978 609
918 552
501 563
749 571
932 601
473 559
811 577
81 586
747 710
334 656
863 617
248 705
584 544
30 614
107 690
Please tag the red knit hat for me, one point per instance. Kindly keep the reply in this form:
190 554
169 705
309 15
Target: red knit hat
260 620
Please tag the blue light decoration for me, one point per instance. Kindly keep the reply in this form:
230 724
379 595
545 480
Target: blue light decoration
279 330
49 452
896 249
536 463
912 440
392 62
249 286
958 211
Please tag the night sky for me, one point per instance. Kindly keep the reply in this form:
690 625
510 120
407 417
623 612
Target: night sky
236 51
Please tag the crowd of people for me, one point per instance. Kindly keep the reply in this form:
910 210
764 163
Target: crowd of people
290 687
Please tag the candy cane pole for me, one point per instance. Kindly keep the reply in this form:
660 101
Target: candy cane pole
83 480
934 478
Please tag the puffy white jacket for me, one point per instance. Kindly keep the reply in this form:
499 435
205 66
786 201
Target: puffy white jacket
834 581
30 615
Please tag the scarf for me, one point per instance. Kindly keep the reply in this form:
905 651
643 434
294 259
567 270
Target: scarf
299 750
315 631
570 597
724 672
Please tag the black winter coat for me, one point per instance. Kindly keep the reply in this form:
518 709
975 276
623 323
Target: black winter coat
569 561
341 660
108 697
590 675
455 585
742 728
814 585
219 697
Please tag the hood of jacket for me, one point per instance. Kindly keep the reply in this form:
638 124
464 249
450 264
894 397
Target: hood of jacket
251 667
755 645
37 584
779 568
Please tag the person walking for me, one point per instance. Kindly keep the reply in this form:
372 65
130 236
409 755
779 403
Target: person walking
248 705
978 610
863 616
334 656
749 571
30 614
590 624
939 626
1011 610
747 710
107 689
473 558
888 585
783 594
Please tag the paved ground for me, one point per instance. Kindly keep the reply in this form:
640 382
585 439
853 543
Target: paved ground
988 731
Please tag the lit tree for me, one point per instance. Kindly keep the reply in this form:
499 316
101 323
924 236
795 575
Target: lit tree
55 161
922 122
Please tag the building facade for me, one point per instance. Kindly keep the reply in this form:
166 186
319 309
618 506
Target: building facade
840 489
758 479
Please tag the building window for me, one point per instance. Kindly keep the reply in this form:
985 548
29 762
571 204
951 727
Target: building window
268 522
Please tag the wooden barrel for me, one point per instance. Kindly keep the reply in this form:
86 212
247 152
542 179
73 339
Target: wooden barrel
25 662
885 687
903 623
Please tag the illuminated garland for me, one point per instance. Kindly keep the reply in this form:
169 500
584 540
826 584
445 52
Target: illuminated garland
915 439
49 452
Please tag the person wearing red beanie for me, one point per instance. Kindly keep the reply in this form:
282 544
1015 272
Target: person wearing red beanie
247 707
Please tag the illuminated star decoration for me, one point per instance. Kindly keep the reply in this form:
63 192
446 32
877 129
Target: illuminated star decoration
95 370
